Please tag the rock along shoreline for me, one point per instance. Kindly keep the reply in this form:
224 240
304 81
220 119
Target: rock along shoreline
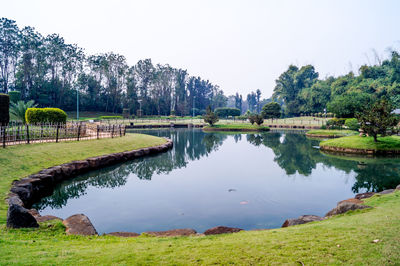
28 190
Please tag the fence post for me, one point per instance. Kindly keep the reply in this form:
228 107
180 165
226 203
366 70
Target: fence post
79 130
27 132
98 128
120 131
112 132
4 136
57 133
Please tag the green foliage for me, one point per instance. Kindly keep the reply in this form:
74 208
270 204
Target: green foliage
352 124
258 119
252 118
349 104
45 115
335 123
378 119
210 117
4 109
109 117
126 112
15 96
227 111
18 110
271 110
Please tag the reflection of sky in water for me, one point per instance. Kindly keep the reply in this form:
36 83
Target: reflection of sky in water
210 179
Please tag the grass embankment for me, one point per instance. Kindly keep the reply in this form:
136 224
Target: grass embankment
327 133
22 160
345 239
389 143
236 127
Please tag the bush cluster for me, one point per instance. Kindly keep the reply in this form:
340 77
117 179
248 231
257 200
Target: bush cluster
106 117
335 123
4 109
45 115
227 111
352 124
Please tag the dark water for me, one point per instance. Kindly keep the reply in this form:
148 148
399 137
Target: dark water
209 179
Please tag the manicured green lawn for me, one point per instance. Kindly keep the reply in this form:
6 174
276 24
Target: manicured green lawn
345 239
367 143
22 160
236 127
331 133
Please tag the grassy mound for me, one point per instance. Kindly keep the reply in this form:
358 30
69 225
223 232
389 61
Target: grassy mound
22 160
236 127
326 133
389 143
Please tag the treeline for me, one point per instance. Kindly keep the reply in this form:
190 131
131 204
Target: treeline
51 72
302 92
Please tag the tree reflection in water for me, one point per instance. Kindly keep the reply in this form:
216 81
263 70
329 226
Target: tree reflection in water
296 153
293 152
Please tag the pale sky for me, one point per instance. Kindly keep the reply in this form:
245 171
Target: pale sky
239 45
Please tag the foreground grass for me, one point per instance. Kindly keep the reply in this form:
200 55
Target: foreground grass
345 239
22 160
330 133
236 127
365 143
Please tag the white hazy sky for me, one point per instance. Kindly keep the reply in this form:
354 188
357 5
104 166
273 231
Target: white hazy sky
239 45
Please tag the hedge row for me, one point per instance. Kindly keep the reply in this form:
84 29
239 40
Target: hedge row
105 117
4 109
227 111
45 115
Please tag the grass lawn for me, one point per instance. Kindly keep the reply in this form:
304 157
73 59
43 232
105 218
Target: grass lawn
236 127
345 239
365 143
331 133
22 160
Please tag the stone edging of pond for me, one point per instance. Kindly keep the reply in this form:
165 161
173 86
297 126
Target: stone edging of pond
359 151
26 191
322 136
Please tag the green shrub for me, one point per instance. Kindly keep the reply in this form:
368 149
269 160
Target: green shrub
15 96
106 117
227 111
335 123
4 109
352 123
45 115
210 117
258 119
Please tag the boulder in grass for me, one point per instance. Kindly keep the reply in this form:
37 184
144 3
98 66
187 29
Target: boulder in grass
46 218
79 224
345 207
398 187
123 234
222 230
301 220
19 217
173 232
387 191
364 195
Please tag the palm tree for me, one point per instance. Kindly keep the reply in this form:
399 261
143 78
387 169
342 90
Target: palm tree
18 110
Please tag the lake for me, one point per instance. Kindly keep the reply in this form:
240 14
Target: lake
250 181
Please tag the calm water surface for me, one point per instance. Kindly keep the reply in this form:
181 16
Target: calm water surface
208 179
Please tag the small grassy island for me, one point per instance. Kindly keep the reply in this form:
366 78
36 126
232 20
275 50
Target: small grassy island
327 133
363 145
236 127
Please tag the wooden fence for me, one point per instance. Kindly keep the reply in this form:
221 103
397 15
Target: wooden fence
16 133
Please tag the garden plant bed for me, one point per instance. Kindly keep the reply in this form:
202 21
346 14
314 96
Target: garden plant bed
389 145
